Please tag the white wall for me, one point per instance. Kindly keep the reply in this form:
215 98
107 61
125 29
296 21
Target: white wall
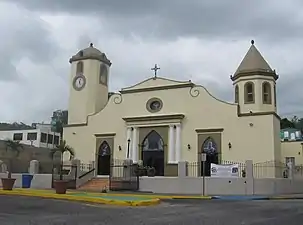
40 181
221 186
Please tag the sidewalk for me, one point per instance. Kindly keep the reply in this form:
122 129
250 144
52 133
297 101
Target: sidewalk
123 200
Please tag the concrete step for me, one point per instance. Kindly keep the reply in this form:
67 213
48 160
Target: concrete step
95 184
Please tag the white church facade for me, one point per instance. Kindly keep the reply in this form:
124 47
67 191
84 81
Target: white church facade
162 121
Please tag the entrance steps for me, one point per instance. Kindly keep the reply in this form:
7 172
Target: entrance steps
96 184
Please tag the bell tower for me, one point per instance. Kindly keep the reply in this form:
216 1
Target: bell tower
255 84
88 84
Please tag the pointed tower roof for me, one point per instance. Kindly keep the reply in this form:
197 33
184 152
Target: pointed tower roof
253 63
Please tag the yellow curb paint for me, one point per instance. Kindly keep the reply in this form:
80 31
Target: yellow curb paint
44 194
149 196
118 194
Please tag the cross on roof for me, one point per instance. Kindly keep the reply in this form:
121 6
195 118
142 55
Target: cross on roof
155 69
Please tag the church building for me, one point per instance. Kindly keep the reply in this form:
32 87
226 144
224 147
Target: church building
163 121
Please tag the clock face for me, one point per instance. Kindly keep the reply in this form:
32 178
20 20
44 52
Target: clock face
79 82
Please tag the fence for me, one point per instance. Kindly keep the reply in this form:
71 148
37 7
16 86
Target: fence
85 167
66 173
269 169
123 176
298 171
195 169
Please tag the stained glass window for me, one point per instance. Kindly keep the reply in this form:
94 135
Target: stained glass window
104 149
209 146
153 142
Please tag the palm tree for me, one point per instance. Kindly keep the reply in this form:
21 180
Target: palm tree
13 147
62 148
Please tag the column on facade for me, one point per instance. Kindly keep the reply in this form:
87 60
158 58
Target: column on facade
178 143
128 137
135 145
171 144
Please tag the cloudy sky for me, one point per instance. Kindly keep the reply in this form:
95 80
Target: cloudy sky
193 39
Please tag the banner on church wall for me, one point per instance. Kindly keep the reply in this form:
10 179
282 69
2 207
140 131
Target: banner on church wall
231 170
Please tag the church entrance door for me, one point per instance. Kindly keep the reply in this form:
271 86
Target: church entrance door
210 148
153 152
104 159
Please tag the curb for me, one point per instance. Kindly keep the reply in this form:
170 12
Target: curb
153 196
240 198
148 202
285 198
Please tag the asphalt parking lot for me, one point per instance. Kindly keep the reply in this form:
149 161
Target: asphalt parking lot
15 210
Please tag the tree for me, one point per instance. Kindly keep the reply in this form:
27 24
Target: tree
294 122
13 148
299 124
285 123
14 126
59 119
62 148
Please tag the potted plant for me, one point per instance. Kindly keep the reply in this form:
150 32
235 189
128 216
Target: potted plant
13 149
61 184
151 171
140 169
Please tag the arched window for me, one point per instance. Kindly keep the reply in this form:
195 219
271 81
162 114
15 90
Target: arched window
266 93
209 146
103 73
237 94
249 92
79 67
104 149
153 142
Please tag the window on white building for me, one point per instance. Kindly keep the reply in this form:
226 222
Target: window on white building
50 138
17 136
292 136
298 134
286 134
56 140
43 138
32 136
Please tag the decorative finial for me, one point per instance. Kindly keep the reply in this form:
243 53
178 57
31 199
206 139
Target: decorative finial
252 42
91 45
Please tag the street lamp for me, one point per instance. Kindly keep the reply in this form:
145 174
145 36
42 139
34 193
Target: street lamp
128 143
203 159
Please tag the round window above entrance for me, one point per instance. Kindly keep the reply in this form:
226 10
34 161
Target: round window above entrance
154 105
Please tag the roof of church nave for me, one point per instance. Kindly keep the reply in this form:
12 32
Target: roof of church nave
254 63
90 53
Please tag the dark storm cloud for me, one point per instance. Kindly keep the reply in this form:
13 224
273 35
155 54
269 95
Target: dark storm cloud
269 19
23 36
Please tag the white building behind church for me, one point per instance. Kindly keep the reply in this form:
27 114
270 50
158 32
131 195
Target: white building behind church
40 136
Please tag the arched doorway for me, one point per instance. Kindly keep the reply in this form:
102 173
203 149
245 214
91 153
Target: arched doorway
153 152
209 147
104 158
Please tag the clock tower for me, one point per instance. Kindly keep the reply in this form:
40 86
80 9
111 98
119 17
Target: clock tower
88 84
